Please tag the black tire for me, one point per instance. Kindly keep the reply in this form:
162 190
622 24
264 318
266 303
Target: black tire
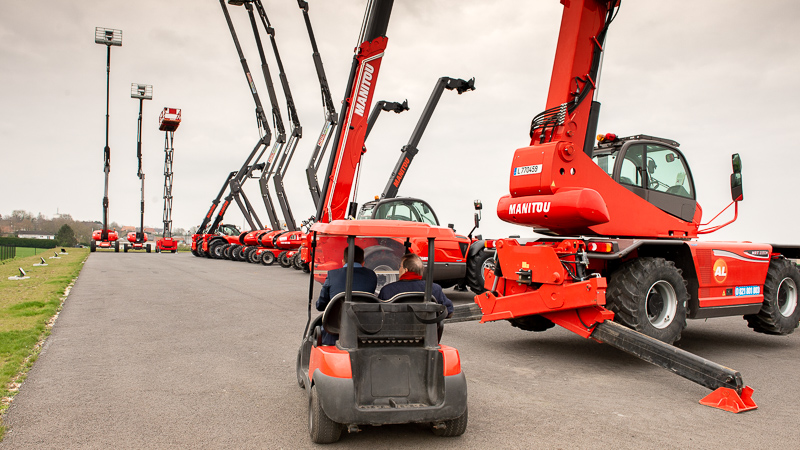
215 249
297 262
157 250
779 313
283 260
226 251
248 251
299 368
93 246
238 253
231 253
475 266
267 258
125 248
383 262
194 252
116 246
147 248
454 427
532 323
322 429
649 295
254 257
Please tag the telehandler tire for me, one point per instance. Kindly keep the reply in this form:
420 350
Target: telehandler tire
475 268
267 258
779 313
283 260
649 295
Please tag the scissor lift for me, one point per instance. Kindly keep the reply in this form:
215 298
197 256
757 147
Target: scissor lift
168 122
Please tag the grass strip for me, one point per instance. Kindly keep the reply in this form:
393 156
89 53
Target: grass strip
28 309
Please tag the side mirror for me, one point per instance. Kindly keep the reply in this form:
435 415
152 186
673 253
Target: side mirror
736 178
451 226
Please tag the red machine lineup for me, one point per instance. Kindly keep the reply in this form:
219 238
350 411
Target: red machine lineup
621 262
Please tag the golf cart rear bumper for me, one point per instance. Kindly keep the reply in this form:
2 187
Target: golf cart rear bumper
337 397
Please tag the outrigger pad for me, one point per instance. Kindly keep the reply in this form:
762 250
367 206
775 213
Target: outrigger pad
729 400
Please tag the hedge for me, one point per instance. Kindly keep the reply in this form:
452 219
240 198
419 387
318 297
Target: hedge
32 243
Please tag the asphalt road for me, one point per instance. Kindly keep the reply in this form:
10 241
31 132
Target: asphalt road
163 350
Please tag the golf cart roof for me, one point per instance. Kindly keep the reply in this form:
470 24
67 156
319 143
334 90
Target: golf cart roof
382 228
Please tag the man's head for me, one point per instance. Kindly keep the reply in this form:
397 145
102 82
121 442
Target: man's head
411 263
358 255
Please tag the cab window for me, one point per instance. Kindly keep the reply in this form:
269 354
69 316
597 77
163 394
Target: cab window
631 172
666 172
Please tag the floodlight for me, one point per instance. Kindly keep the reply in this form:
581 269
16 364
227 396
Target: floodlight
142 91
108 36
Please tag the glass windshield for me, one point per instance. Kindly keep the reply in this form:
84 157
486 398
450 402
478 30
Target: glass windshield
406 210
366 212
667 172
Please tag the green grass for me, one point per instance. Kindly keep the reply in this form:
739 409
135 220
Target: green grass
26 310
24 252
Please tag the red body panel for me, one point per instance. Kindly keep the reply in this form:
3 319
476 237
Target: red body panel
97 236
451 359
730 273
331 361
132 238
167 244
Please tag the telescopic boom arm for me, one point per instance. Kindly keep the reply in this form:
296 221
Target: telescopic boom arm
350 135
330 112
410 150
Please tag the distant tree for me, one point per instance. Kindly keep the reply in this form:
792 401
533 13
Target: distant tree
66 236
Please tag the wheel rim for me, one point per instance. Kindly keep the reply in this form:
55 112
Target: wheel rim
385 275
488 263
787 297
662 304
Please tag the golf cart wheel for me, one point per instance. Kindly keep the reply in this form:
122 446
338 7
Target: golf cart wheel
649 295
283 260
322 429
453 427
779 313
299 369
267 258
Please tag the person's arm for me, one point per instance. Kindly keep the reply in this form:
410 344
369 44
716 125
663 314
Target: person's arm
442 299
324 295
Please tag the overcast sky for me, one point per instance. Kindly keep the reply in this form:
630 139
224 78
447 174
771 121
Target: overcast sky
716 76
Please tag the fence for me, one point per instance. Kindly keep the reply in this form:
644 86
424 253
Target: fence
7 252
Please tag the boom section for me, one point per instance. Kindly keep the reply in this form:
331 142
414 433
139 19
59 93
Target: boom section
350 136
410 150
329 108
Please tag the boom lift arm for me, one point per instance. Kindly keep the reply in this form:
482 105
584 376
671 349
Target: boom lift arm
410 150
297 129
329 112
244 172
349 139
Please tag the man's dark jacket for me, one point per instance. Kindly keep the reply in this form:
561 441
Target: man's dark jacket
411 282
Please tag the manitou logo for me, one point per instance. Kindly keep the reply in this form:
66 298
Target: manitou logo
363 90
529 208
720 270
401 172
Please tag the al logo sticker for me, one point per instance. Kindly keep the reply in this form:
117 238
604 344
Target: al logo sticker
720 270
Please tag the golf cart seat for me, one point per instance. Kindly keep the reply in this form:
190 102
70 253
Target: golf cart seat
332 316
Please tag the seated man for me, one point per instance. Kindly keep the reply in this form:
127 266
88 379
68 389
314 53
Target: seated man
364 279
411 268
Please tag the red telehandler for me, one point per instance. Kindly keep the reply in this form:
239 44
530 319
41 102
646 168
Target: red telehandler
632 206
